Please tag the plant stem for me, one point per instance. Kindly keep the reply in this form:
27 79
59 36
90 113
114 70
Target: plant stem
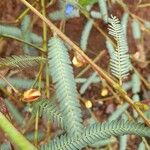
24 13
14 135
36 128
99 70
46 66
45 46
144 5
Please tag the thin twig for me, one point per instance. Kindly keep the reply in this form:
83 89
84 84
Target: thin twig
144 5
20 40
88 66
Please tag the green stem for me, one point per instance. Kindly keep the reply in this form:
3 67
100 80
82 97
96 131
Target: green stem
45 46
36 129
24 12
14 135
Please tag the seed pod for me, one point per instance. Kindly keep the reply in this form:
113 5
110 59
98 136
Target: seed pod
78 60
31 95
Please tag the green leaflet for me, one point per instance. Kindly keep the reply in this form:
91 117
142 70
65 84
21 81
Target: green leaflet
147 24
123 142
124 21
136 83
26 30
118 112
103 10
64 82
136 29
89 80
10 30
85 34
95 14
16 32
110 48
97 132
141 146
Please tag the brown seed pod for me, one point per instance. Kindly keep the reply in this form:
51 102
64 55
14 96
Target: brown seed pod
78 60
31 95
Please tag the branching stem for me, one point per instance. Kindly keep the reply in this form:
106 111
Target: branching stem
99 70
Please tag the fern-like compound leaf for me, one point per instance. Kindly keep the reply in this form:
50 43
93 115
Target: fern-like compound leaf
20 61
119 63
97 132
63 79
48 109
